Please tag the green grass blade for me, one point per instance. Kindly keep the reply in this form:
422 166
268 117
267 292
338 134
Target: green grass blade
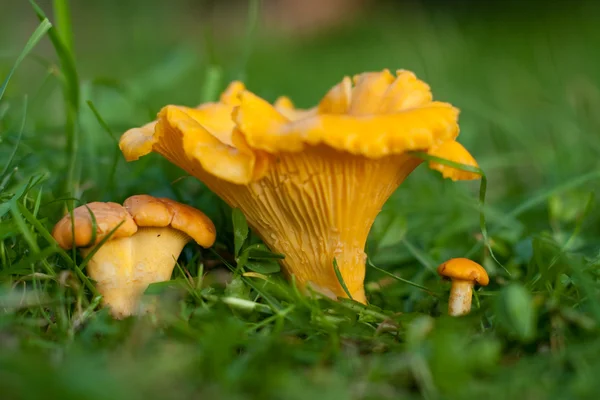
45 234
35 37
240 229
482 194
101 121
537 199
420 255
541 197
38 201
97 247
22 267
18 218
117 153
48 237
396 277
250 37
19 136
340 279
273 302
62 15
578 226
66 59
360 308
212 82
70 92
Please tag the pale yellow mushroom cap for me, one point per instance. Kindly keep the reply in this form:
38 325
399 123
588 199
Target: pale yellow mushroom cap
465 270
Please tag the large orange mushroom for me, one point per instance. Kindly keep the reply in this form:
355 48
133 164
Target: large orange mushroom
310 182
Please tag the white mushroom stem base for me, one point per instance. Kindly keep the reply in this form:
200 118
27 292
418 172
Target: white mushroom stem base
124 268
461 295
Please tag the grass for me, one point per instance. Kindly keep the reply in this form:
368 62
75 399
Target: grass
527 83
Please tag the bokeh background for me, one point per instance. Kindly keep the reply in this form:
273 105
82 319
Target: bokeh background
526 76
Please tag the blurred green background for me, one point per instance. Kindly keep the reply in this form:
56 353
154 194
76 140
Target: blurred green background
526 76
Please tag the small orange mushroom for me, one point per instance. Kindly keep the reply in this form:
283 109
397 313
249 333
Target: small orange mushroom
464 274
143 249
310 182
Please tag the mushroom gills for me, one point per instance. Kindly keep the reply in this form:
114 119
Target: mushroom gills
317 206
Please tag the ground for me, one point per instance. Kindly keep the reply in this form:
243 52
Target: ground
527 83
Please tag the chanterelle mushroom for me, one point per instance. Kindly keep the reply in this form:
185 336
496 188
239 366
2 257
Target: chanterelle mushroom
464 274
310 182
141 251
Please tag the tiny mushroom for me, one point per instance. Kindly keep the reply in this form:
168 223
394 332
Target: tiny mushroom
311 181
464 273
148 234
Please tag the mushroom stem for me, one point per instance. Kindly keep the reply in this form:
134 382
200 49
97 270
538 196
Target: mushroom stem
123 268
317 206
461 294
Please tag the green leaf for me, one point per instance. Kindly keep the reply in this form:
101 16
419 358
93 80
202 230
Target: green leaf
240 229
516 313
261 251
242 260
161 287
35 37
9 227
237 288
263 266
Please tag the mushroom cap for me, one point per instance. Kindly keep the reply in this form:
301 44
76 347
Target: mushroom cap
465 270
372 115
453 151
381 114
107 216
148 211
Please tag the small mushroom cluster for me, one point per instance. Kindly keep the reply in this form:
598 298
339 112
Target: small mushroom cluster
145 237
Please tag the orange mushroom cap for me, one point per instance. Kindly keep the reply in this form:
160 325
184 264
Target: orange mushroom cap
137 211
107 216
148 211
465 270
374 114
455 152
